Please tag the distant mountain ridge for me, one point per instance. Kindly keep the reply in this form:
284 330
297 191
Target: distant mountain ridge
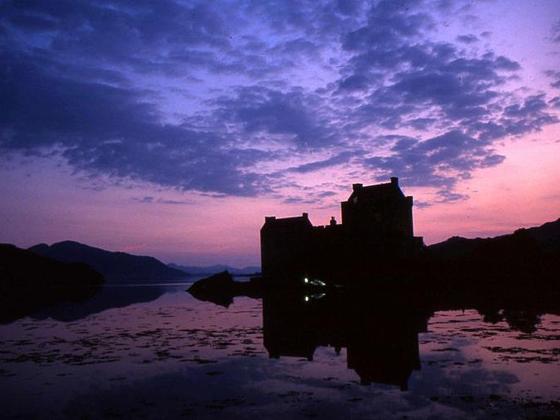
218 268
525 257
120 267
546 237
116 267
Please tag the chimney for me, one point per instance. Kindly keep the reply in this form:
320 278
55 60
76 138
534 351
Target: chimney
357 187
269 219
395 181
305 215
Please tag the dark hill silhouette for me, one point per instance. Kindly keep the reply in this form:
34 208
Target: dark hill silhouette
454 247
546 237
29 282
534 250
525 261
116 267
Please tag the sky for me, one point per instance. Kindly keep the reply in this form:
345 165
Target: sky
172 128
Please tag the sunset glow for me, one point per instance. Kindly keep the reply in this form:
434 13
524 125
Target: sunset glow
173 128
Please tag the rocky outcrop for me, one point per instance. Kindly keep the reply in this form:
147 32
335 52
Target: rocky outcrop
221 288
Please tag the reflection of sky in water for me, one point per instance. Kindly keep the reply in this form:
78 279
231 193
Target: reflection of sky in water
176 356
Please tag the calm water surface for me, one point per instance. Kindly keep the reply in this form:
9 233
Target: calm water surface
156 352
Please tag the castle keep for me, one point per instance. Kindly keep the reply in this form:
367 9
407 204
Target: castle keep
376 231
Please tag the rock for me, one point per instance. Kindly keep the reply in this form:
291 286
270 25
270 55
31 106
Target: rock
217 283
218 288
221 289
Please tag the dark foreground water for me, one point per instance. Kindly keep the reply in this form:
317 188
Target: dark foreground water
156 352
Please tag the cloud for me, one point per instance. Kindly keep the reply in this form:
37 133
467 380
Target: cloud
338 159
408 81
149 200
556 32
555 76
145 199
437 162
114 131
430 77
264 82
138 34
298 200
467 39
526 116
433 85
294 114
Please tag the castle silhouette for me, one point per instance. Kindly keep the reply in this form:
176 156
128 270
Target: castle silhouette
376 234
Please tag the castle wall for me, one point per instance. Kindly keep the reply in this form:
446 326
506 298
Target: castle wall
285 248
376 231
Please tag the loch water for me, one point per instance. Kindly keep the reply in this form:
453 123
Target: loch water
154 351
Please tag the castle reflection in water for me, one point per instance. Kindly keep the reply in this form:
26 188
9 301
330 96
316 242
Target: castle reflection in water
381 345
379 332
